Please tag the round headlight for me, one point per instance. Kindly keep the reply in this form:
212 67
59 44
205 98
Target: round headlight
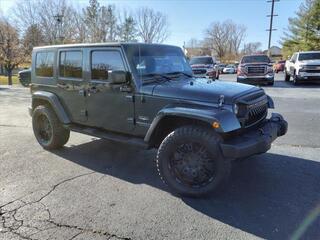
235 109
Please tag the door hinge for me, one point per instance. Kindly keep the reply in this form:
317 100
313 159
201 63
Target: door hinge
83 112
130 98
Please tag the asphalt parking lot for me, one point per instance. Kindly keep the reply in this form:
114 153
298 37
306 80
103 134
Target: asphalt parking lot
95 189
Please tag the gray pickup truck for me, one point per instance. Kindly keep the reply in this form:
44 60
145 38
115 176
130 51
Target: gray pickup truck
145 94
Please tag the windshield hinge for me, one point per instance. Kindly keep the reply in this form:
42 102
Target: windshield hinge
221 100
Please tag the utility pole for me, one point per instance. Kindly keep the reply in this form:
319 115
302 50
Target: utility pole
59 19
271 23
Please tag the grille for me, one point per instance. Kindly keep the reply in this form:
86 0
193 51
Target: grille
256 69
256 114
255 108
199 71
312 69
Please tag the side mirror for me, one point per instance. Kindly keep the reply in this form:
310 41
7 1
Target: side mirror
119 77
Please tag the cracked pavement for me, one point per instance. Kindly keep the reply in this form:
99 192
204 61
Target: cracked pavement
95 189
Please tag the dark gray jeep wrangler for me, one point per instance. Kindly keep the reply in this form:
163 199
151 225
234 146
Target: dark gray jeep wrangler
145 94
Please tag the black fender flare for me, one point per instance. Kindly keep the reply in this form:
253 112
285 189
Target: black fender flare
270 102
53 100
227 120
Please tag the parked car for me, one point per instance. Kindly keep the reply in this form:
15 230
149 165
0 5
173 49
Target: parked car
221 67
204 66
255 69
279 66
145 94
25 77
303 67
230 69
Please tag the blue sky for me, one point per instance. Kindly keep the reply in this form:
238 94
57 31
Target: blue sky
189 18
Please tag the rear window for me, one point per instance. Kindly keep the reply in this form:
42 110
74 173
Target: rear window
70 64
254 59
201 60
309 56
44 64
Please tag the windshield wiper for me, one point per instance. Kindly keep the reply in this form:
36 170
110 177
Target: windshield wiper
150 78
183 73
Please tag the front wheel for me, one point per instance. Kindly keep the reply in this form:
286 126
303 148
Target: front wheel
47 128
295 80
190 162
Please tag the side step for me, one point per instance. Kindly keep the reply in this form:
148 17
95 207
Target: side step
109 135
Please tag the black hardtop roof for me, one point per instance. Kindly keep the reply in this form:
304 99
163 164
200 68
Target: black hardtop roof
104 44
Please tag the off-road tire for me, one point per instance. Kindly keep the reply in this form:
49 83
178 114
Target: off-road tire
286 76
205 137
59 135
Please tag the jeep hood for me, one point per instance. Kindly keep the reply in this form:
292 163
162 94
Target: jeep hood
203 90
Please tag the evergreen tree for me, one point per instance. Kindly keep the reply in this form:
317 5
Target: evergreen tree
303 33
127 30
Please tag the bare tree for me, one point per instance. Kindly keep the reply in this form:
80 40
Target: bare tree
225 38
12 52
250 48
217 38
152 26
44 14
32 37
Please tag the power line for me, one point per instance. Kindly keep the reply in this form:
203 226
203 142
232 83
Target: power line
270 30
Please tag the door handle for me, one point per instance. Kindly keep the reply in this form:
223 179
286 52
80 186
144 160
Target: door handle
63 85
93 90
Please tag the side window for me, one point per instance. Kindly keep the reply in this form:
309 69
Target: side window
44 64
70 64
294 57
103 61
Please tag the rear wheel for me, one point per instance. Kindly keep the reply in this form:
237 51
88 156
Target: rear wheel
287 76
47 128
190 162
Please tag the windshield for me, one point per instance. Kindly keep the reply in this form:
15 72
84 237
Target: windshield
201 60
146 60
230 66
253 59
309 56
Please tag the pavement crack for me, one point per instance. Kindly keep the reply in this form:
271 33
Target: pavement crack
8 125
9 221
62 182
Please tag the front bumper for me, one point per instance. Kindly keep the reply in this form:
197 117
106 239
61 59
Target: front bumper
265 79
308 77
255 141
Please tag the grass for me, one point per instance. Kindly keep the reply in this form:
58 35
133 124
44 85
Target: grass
4 80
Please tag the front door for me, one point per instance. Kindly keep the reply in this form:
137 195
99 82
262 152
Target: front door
108 105
70 83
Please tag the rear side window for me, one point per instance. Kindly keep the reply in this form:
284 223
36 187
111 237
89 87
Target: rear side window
70 64
103 61
44 64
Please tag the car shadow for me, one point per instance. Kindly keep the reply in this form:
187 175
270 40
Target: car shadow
270 196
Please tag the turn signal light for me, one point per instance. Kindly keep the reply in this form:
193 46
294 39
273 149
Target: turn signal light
215 125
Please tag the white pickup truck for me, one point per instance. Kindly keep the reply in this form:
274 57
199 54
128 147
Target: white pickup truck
303 67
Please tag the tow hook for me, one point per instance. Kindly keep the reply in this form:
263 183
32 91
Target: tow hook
261 131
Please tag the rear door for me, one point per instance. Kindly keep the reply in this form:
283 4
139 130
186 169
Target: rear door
70 83
109 106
